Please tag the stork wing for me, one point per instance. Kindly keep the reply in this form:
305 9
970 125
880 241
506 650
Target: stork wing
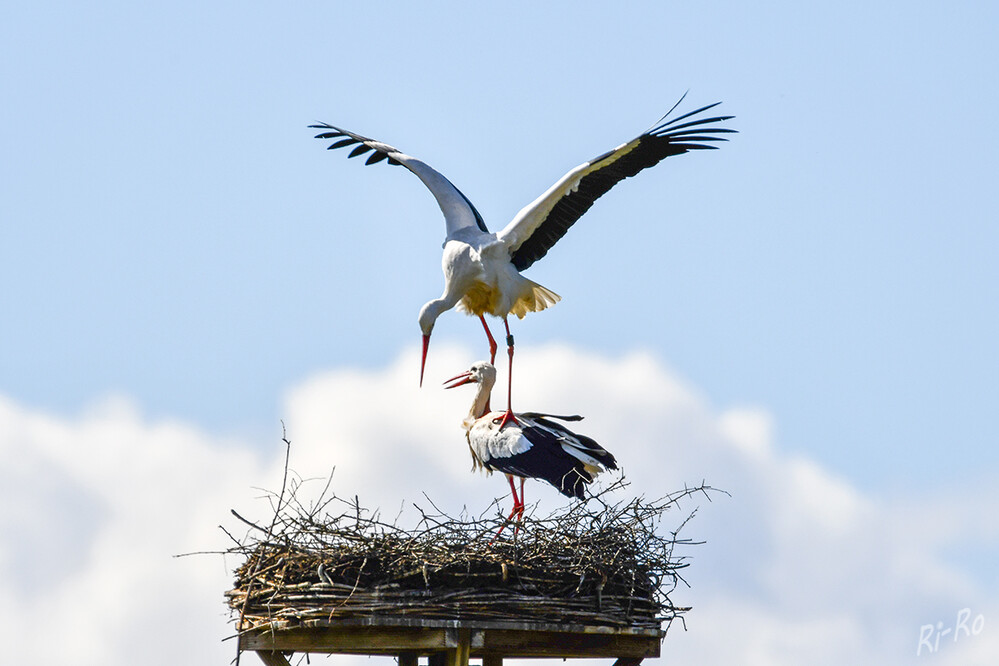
544 458
584 448
539 225
458 210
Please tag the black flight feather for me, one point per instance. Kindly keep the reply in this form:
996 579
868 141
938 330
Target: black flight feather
360 150
349 141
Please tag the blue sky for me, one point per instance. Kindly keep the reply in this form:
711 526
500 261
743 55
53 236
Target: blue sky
172 235
173 232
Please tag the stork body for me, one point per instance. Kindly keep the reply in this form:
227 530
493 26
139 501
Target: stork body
535 447
482 269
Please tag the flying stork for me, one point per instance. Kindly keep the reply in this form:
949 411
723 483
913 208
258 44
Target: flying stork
533 447
482 269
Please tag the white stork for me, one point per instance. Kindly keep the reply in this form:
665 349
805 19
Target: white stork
535 447
482 269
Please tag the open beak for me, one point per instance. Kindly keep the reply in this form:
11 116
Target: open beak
423 361
460 380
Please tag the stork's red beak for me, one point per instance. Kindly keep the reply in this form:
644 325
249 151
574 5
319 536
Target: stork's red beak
423 362
460 380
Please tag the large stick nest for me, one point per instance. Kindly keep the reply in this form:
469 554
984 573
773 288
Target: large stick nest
600 562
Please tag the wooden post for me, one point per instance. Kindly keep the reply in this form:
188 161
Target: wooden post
409 659
272 658
628 661
492 660
459 655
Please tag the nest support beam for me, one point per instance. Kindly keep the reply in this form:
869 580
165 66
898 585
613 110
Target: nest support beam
455 645
457 657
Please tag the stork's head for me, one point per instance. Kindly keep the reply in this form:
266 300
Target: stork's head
481 372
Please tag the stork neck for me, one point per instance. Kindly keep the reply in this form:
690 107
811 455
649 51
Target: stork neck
429 313
480 404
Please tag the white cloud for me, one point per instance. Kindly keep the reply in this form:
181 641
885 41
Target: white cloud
94 510
799 565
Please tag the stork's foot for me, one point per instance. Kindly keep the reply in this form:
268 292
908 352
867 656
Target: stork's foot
519 519
518 511
505 420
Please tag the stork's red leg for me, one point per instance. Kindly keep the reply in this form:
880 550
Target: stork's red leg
518 508
508 417
516 498
520 513
492 342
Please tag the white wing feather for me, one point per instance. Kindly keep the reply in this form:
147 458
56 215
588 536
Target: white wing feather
458 213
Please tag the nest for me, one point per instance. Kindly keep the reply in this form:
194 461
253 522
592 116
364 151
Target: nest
593 563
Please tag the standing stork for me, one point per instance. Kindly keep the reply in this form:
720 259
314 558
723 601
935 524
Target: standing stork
482 269
536 447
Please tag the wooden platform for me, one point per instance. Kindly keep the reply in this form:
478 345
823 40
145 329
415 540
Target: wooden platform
453 642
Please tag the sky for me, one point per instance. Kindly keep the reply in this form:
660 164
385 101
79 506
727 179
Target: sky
804 317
